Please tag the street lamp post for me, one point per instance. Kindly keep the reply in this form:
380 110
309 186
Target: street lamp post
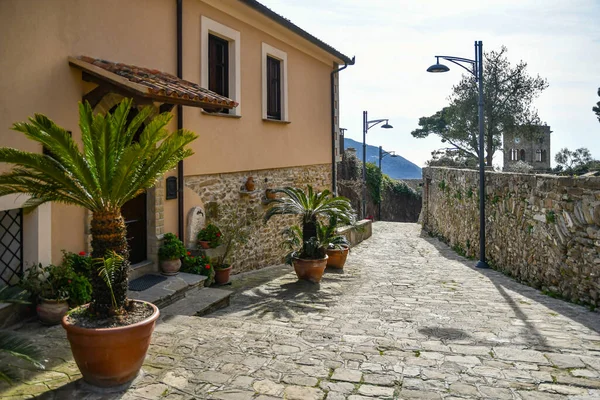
382 154
477 71
366 126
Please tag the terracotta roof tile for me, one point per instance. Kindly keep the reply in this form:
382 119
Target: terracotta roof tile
158 84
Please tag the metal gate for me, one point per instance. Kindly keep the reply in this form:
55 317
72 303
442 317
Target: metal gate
11 246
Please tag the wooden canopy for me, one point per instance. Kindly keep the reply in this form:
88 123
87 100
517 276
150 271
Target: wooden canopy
148 85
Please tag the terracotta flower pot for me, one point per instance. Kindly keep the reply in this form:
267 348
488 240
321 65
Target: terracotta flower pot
337 257
249 185
170 267
270 194
222 275
204 244
110 357
310 270
51 311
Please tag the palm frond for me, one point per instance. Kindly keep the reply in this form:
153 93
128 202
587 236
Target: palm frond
19 347
107 268
14 295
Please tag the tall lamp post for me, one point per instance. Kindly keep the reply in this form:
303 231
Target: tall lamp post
475 69
382 154
366 126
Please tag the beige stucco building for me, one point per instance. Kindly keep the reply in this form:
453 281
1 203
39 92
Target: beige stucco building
283 131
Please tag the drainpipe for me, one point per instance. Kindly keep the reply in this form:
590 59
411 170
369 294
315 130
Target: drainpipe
180 118
333 132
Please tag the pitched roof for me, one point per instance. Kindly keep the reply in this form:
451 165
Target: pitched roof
296 29
151 83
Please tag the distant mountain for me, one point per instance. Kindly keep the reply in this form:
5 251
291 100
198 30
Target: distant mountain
395 167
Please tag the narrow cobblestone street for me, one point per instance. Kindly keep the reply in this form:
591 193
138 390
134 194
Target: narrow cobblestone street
408 318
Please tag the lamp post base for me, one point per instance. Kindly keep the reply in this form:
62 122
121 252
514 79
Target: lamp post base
481 264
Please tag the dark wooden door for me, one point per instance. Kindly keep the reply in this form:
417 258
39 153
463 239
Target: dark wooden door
134 213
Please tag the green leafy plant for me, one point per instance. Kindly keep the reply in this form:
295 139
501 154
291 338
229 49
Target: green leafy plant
199 265
80 289
80 263
171 248
51 282
112 169
211 234
550 217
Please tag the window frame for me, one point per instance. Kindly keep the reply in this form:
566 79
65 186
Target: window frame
211 27
269 51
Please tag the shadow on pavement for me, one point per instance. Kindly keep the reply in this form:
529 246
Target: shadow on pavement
503 283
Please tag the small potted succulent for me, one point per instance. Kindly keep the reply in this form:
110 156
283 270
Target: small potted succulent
209 237
50 287
170 253
337 246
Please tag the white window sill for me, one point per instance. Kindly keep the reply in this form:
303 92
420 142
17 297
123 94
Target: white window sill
277 121
221 115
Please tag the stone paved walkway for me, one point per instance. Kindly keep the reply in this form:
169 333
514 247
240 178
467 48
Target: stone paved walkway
408 318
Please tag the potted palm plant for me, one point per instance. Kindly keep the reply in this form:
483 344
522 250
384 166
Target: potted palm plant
337 246
309 262
110 336
170 253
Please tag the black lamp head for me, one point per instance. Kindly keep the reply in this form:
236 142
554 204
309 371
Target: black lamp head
437 67
386 125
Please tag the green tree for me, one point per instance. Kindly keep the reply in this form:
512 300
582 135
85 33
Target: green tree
112 169
596 109
570 162
509 92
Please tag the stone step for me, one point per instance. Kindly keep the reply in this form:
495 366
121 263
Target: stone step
198 302
169 291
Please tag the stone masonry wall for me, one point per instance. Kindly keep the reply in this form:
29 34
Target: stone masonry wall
221 191
395 207
541 229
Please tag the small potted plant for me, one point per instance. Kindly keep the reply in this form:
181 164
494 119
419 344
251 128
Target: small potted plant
336 246
170 253
209 237
50 287
237 225
199 265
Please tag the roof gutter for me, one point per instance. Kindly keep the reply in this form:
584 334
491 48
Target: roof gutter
180 204
333 130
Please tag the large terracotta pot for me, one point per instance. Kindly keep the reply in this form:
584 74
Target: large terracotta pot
51 311
170 267
337 257
310 270
110 357
222 275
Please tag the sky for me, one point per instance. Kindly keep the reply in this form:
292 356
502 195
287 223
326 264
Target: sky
394 42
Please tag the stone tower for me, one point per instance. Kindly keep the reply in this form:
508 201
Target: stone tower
532 148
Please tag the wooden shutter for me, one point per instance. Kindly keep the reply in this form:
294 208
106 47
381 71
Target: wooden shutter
273 88
218 65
